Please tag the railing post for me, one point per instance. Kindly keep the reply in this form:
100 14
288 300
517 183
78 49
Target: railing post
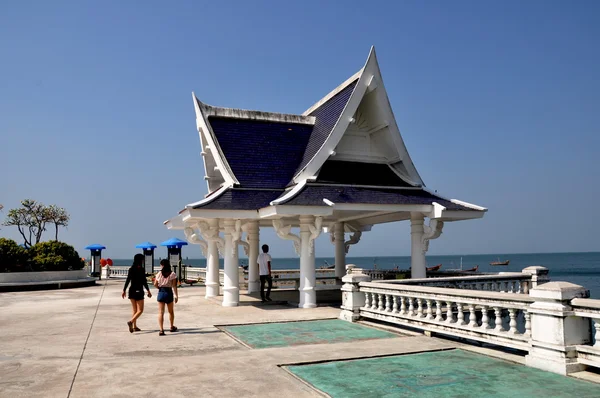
539 276
555 330
352 298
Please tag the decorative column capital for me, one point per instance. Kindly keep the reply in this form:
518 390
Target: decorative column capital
314 225
431 231
283 231
196 239
210 233
354 239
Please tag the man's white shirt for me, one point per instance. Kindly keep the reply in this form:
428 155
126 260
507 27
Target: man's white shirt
263 263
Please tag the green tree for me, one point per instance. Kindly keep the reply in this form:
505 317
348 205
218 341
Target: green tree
30 219
57 216
13 258
55 256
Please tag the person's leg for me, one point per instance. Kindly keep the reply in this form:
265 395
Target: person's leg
262 287
133 308
270 286
139 312
171 309
161 315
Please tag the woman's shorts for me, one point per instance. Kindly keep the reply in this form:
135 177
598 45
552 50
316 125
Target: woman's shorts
165 295
136 294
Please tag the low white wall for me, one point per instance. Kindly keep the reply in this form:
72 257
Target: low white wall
46 276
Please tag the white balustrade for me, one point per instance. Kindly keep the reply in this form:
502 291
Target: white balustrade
487 316
589 308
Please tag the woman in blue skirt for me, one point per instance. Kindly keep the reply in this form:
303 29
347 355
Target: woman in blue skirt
166 282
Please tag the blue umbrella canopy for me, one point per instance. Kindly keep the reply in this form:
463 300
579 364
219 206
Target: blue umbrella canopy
174 242
23 245
95 246
146 245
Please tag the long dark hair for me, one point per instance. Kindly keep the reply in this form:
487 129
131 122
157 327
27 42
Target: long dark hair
166 268
138 261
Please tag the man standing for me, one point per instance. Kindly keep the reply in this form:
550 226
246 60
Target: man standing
264 269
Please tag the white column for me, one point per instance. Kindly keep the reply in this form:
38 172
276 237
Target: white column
253 240
308 296
231 289
212 270
340 250
417 254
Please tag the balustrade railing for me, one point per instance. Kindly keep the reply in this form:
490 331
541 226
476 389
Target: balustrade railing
289 278
589 308
509 282
498 318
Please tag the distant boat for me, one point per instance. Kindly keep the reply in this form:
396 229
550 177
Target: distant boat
434 268
500 262
327 265
474 269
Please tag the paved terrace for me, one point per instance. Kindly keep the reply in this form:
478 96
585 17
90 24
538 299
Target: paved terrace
75 343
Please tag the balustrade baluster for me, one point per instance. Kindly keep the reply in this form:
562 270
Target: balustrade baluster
498 312
375 302
411 306
472 316
388 303
381 307
525 287
513 321
506 287
429 310
527 322
485 321
498 286
367 299
438 311
449 315
460 316
395 305
597 332
482 285
420 308
403 305
513 287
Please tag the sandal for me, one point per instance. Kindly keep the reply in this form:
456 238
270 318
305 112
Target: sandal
161 333
174 328
136 329
130 325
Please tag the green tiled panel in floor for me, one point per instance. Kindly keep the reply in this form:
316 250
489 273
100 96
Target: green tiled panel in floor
453 373
306 332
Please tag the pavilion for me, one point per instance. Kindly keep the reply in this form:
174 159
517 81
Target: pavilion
341 166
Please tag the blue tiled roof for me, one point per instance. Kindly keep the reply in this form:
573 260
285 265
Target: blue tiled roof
357 173
261 154
243 199
313 195
327 116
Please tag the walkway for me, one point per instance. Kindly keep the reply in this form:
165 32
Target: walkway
75 343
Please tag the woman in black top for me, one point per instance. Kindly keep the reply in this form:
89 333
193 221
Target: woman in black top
137 277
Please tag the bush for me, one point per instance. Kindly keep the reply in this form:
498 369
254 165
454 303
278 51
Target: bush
13 258
55 256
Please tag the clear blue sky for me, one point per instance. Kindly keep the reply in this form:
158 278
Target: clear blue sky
498 103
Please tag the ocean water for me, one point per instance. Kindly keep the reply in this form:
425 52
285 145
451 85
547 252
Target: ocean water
579 268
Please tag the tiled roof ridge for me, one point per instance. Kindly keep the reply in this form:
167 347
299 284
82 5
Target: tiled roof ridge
235 113
333 92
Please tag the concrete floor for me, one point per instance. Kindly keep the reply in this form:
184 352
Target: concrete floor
75 342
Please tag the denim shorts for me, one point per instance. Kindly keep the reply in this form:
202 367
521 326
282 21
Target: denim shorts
165 295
